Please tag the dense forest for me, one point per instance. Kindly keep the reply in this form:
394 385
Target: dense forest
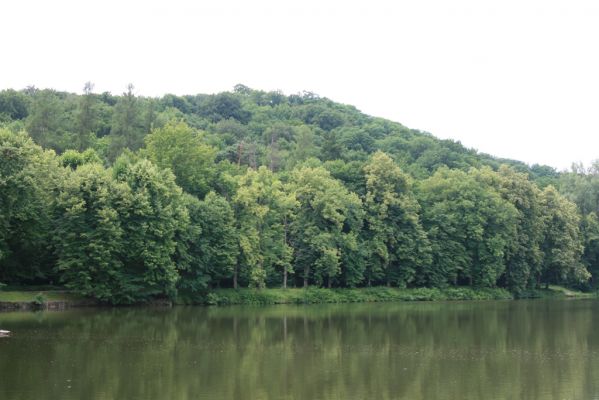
127 198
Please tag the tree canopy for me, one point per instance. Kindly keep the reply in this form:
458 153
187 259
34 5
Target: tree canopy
127 199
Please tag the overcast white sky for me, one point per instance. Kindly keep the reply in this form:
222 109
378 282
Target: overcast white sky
517 79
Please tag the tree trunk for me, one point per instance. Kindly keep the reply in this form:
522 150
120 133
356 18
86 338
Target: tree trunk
274 157
239 152
285 240
235 278
261 285
306 274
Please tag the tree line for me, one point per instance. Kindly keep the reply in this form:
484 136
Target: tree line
126 199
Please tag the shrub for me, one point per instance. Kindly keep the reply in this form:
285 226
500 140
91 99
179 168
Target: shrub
39 300
313 295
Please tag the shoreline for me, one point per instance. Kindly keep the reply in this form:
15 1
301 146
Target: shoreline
63 300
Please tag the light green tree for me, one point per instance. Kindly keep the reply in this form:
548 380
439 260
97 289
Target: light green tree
151 220
524 258
181 149
325 230
589 229
562 245
397 245
262 206
89 235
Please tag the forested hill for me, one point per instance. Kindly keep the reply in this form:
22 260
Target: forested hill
126 198
247 126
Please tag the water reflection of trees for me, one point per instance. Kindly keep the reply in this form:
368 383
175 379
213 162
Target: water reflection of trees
491 350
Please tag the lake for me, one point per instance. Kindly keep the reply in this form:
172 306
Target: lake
537 349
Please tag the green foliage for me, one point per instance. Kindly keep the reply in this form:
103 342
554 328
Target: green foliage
13 105
397 244
212 248
589 229
89 234
224 106
313 127
581 186
40 300
314 295
563 244
127 129
258 189
524 256
151 220
325 231
180 148
74 159
29 179
262 204
46 122
115 235
470 228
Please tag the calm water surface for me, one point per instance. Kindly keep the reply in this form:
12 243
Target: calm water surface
472 350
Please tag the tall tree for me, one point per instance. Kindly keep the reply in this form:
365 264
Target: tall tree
581 186
562 245
470 228
524 257
90 237
589 229
152 220
325 231
45 120
213 250
397 244
29 180
127 127
332 148
224 106
87 116
304 145
116 231
262 206
13 105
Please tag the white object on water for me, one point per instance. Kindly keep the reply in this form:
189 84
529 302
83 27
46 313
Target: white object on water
4 332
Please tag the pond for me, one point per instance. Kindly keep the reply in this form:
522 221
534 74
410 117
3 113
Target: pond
538 349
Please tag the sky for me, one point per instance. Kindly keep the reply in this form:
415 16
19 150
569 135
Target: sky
516 79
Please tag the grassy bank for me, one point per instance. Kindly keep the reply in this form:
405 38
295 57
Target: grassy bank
40 299
30 296
371 295
300 296
362 295
555 291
